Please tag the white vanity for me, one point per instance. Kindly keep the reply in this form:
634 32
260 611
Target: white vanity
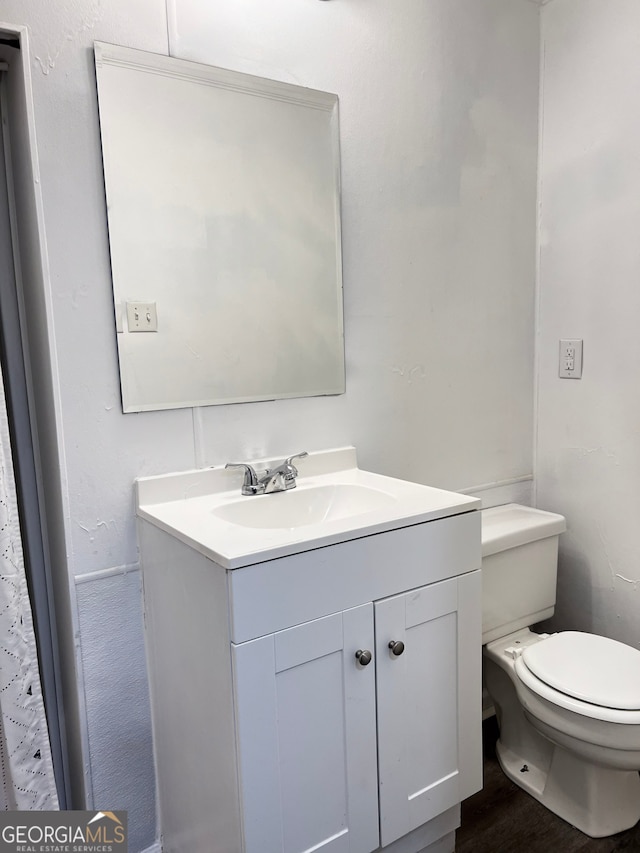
314 659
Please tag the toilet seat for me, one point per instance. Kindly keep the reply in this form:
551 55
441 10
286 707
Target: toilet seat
588 667
585 673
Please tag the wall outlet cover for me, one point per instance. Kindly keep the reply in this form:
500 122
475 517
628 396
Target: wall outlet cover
570 358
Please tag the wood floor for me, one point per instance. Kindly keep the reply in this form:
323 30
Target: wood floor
503 819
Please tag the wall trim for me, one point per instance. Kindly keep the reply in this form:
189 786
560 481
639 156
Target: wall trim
155 848
101 574
519 490
512 481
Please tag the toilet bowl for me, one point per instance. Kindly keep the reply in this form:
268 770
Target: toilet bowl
568 704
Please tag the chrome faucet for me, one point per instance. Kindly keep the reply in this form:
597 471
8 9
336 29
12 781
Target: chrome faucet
278 479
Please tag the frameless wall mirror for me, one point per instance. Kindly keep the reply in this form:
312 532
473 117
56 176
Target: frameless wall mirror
223 200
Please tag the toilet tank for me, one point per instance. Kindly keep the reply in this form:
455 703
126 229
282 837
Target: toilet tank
519 567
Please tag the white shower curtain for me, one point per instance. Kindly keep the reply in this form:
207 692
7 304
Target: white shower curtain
25 754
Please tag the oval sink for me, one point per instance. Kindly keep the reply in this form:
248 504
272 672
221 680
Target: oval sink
300 507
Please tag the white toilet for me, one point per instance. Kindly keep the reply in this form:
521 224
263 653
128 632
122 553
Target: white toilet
568 704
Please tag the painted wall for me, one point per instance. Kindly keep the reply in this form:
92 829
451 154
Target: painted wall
588 442
102 631
438 113
438 107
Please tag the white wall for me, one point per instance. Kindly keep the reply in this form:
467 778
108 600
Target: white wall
95 445
438 107
588 446
438 112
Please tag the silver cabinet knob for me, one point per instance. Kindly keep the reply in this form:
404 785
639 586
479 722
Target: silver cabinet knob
397 647
363 657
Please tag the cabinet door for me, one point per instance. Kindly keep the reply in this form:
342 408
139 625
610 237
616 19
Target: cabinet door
429 702
306 732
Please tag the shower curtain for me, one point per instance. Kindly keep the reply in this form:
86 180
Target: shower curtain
25 754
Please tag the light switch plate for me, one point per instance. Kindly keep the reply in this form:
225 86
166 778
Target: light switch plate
142 317
570 359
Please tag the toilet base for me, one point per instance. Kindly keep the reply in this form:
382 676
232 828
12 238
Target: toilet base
596 800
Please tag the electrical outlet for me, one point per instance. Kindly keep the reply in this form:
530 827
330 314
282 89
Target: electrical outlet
570 360
142 317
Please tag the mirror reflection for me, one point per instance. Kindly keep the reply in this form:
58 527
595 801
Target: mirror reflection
223 207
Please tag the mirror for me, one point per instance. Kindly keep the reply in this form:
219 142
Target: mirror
223 208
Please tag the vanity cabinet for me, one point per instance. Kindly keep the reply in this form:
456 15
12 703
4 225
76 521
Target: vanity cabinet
306 722
271 736
425 767
313 722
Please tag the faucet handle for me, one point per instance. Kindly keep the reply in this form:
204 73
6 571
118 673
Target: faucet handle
288 460
250 483
288 471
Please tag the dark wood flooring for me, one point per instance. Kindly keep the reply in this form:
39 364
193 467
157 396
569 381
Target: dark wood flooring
503 819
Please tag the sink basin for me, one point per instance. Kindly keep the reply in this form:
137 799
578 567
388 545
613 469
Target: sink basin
302 506
334 501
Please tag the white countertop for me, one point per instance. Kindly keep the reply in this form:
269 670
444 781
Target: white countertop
185 505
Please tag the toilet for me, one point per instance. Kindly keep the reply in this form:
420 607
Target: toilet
567 704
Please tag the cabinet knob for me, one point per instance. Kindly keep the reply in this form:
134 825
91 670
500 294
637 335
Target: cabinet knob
363 657
397 647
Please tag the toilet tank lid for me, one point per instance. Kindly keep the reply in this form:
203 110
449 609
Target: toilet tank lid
511 525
